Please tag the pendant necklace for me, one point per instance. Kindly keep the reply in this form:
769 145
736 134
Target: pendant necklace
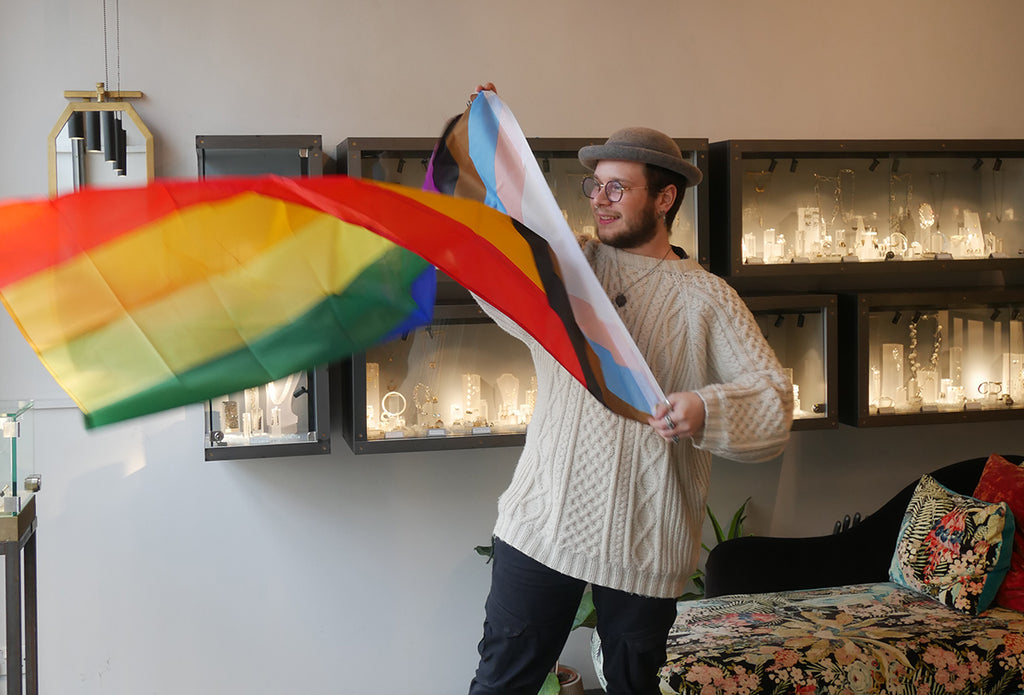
937 182
620 298
997 194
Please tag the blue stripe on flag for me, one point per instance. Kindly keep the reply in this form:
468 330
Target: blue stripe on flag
620 380
483 143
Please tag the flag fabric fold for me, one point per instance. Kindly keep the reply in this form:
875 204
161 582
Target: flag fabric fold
138 300
484 156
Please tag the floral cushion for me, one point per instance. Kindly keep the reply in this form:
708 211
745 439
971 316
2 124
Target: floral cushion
866 638
952 547
1002 481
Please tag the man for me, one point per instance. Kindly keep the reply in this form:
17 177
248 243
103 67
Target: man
600 499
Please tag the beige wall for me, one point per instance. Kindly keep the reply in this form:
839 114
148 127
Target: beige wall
161 573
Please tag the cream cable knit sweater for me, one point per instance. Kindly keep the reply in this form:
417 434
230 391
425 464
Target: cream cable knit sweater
605 499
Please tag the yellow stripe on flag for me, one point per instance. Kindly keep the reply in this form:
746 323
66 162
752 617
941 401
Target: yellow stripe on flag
488 224
59 304
108 353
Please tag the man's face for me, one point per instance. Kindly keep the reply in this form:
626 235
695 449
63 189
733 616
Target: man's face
632 221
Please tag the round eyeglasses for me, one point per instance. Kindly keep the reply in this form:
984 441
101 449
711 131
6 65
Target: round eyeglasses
613 190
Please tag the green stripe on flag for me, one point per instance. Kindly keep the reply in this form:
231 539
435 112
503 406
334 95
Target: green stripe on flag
370 309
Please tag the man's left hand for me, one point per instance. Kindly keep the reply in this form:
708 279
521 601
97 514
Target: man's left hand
682 416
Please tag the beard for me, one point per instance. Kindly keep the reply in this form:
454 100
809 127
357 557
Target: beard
638 231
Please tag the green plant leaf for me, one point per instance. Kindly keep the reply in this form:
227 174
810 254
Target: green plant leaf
735 531
586 614
551 685
486 551
719 534
736 527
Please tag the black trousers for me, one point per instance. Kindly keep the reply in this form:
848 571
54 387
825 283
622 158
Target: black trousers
529 614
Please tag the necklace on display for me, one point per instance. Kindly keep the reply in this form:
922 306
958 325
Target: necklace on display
840 211
937 187
898 213
620 298
289 386
760 180
997 194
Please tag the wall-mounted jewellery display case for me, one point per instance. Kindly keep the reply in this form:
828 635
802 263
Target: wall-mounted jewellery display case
863 207
285 417
801 329
288 416
404 161
252 155
929 357
460 382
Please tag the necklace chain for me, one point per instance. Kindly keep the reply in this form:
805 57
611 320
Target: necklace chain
998 188
937 187
620 298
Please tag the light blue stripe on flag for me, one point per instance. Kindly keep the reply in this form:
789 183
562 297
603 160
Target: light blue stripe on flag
483 143
620 380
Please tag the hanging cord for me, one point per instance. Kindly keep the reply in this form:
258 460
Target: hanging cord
117 40
106 63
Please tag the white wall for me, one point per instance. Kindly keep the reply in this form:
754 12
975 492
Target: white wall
160 573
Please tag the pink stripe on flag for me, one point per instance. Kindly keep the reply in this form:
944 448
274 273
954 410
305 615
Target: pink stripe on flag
594 328
510 173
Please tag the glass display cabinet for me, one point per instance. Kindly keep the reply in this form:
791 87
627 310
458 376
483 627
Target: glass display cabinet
929 357
18 524
863 207
289 416
460 382
20 480
286 417
404 161
252 155
801 329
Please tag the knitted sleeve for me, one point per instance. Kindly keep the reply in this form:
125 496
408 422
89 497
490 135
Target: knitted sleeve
748 398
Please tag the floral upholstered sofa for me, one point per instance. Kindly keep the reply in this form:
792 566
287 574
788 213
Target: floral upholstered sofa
843 614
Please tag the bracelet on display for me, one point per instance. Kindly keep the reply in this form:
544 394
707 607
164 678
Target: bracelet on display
990 388
388 411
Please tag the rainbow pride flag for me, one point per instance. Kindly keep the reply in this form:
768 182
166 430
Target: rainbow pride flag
139 300
484 156
142 299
